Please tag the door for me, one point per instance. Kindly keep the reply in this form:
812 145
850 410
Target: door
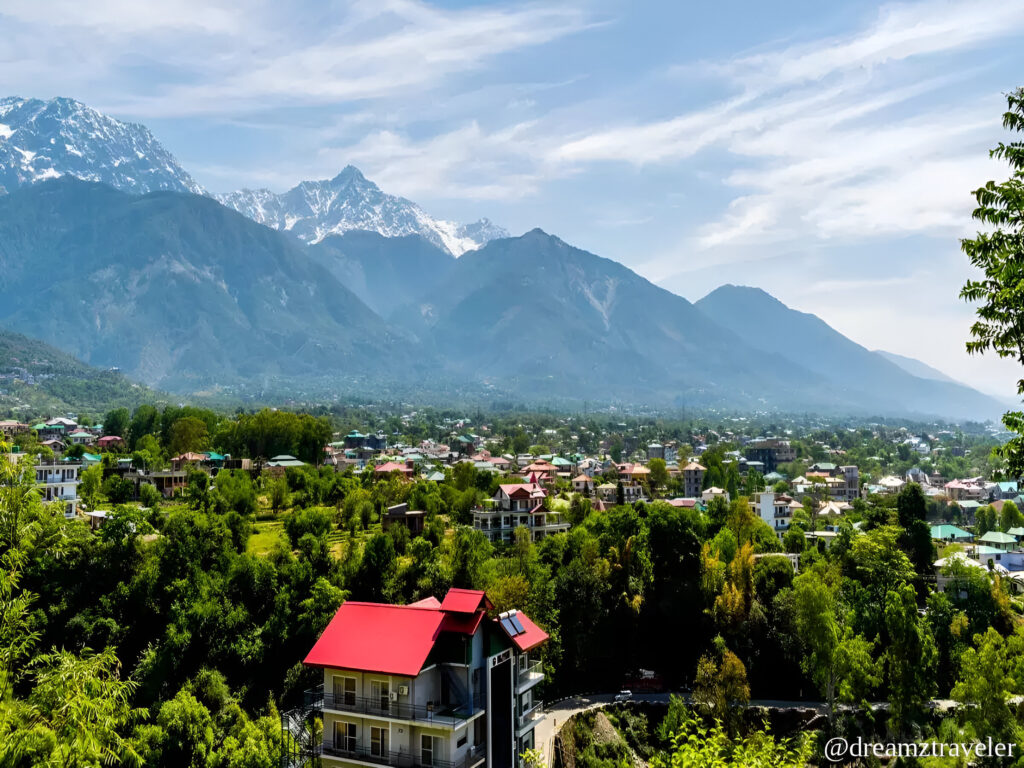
345 736
344 690
379 742
426 750
380 693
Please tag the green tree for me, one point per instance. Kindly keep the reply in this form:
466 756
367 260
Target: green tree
188 434
116 422
999 253
838 660
1010 516
659 473
149 496
90 482
909 660
694 745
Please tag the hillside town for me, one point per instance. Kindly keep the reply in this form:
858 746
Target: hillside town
452 671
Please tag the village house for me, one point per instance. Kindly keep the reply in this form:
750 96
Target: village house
427 685
58 483
514 505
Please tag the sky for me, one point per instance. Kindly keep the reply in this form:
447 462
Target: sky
824 152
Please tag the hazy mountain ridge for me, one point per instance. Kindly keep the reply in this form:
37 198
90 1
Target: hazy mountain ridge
177 290
852 370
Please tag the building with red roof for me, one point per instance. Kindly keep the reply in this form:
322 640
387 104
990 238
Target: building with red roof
434 684
514 505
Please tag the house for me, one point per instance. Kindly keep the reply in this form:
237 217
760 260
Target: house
712 493
998 540
693 479
514 505
58 483
280 464
609 492
823 539
427 685
943 566
655 451
946 532
10 428
400 514
583 484
182 461
771 452
777 511
89 459
385 469
81 437
110 442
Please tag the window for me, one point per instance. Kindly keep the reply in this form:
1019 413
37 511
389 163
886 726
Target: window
461 741
344 690
345 736
427 749
379 742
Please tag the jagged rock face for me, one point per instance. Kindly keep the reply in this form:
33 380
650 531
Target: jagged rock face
314 210
42 140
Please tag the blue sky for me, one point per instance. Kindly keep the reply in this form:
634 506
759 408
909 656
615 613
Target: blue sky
822 151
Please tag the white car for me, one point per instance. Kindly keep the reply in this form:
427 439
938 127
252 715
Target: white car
623 696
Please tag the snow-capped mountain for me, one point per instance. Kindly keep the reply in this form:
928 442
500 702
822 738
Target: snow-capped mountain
42 140
315 209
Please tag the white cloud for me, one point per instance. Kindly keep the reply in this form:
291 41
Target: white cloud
225 58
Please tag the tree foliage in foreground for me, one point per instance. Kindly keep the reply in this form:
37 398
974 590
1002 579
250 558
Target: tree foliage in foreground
999 253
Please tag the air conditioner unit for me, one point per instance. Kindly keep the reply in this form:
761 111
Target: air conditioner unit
393 696
403 690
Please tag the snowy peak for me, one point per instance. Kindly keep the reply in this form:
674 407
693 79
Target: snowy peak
313 210
42 140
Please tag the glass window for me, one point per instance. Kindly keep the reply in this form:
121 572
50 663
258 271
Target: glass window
345 736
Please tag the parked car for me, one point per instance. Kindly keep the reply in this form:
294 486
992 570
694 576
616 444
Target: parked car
623 696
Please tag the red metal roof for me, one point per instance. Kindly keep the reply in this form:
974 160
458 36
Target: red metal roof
373 637
463 600
462 623
530 637
426 602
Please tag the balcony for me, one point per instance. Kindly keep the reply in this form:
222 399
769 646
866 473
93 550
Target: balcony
472 758
529 675
445 715
533 713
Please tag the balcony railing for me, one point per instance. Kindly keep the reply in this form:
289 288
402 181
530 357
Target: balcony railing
401 759
529 673
383 707
531 714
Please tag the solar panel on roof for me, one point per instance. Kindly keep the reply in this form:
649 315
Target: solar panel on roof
517 624
507 626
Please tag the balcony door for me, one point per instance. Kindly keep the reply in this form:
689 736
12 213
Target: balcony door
379 742
344 690
426 750
345 736
380 695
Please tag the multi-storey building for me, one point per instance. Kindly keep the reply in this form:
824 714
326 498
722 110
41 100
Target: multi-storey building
771 452
693 480
58 482
517 504
777 511
428 685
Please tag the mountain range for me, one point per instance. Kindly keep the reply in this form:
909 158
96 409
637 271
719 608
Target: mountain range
337 286
314 210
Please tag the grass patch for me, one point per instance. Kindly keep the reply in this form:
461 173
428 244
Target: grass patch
265 535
